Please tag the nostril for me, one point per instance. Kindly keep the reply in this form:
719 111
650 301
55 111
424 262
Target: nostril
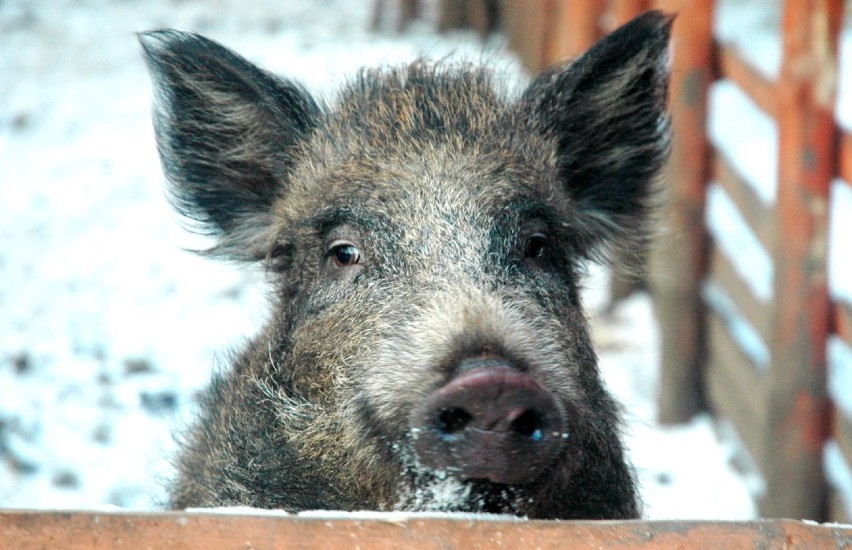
528 424
490 423
453 420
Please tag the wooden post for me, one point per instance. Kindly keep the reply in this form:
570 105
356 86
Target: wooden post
798 406
571 29
624 282
624 10
678 259
525 24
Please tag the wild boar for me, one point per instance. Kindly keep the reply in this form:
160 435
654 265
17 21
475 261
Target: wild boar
425 235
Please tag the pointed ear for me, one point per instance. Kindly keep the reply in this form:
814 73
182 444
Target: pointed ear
607 114
227 133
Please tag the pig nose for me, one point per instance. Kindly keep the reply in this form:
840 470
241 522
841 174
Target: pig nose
490 422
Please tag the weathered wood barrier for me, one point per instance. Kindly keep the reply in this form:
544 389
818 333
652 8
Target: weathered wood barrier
329 531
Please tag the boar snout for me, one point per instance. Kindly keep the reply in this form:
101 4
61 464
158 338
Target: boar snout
490 422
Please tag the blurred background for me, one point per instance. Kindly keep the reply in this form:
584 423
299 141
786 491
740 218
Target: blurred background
732 353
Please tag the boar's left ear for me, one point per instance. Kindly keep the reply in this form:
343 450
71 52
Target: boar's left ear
227 133
607 114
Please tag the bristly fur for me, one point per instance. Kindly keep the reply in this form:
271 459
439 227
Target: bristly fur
221 120
439 180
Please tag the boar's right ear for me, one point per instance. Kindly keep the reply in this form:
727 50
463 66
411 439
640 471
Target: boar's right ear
606 113
226 132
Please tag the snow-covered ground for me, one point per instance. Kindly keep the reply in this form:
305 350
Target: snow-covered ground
108 328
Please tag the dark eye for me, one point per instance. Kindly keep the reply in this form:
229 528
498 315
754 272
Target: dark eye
344 253
535 246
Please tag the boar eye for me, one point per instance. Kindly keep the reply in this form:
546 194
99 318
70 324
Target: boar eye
535 246
344 253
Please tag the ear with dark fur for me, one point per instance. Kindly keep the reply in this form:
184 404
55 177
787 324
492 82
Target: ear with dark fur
607 113
227 132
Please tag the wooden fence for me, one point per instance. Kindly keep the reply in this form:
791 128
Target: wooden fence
782 413
207 530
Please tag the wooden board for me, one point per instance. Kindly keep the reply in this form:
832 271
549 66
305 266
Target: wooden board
736 390
102 530
844 157
523 22
798 404
757 313
842 429
731 65
843 321
678 258
759 218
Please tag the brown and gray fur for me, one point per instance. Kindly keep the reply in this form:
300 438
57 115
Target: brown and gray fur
440 182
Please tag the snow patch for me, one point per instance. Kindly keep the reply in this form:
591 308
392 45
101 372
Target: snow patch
844 82
751 27
840 233
238 511
665 458
690 471
840 374
405 516
838 472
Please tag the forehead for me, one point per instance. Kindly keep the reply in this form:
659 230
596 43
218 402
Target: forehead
423 138
438 184
419 101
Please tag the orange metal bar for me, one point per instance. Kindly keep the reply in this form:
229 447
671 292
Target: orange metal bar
798 404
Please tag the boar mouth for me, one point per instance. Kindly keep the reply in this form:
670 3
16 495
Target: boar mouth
492 424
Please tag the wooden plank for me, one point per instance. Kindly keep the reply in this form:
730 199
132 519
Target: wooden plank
757 313
798 402
723 403
482 16
736 390
523 21
844 157
620 12
746 381
572 26
731 65
843 434
843 321
678 260
759 218
102 530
